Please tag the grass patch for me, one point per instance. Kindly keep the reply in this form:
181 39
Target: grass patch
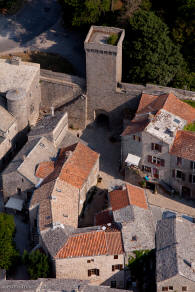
48 61
190 102
190 127
113 39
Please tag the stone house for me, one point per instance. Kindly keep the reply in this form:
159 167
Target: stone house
175 255
183 163
8 132
151 134
59 199
20 96
95 255
130 209
19 178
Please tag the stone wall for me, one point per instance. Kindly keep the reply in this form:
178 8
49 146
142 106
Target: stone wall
177 183
64 269
177 283
58 88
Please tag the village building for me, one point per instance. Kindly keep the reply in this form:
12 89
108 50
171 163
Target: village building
20 97
175 255
151 136
130 209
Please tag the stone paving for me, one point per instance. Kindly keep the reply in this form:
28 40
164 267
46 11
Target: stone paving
173 204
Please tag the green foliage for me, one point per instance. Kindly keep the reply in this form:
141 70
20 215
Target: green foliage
8 253
150 53
190 127
37 264
113 39
189 101
142 268
85 12
7 3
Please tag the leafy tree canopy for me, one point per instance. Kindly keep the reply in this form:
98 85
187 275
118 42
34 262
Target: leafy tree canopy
152 56
37 264
82 12
8 253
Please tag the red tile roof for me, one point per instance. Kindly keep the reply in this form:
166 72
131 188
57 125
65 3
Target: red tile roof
44 169
151 103
92 244
132 195
137 196
136 126
179 108
79 165
104 217
184 145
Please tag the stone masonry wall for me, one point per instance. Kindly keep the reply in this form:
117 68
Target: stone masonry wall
64 269
177 282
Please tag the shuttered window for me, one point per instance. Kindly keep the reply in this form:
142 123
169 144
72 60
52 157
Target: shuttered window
156 147
93 272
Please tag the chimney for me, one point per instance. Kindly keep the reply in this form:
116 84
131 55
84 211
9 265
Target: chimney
52 111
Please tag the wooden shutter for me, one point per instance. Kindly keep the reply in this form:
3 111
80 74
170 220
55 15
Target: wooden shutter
89 273
133 137
162 162
159 148
97 272
173 173
150 158
183 176
120 267
113 268
152 146
190 178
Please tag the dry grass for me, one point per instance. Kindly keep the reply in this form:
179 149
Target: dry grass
48 61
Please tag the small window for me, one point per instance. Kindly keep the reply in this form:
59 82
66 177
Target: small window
115 256
93 272
88 261
165 289
156 147
58 190
170 288
192 163
134 238
176 121
41 145
180 175
184 288
117 267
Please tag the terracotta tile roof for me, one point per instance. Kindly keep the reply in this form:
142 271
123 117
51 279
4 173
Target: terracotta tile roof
119 199
179 108
44 169
104 217
132 195
135 126
184 145
145 100
92 244
137 196
79 165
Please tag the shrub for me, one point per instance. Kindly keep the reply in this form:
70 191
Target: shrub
113 39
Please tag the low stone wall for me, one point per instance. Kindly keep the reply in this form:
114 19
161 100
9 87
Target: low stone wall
58 88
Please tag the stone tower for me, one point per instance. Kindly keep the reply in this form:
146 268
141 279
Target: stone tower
103 67
17 105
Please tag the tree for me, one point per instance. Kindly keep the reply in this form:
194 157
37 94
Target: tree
37 264
85 12
8 252
150 53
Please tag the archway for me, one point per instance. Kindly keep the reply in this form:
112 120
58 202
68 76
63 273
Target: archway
102 118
